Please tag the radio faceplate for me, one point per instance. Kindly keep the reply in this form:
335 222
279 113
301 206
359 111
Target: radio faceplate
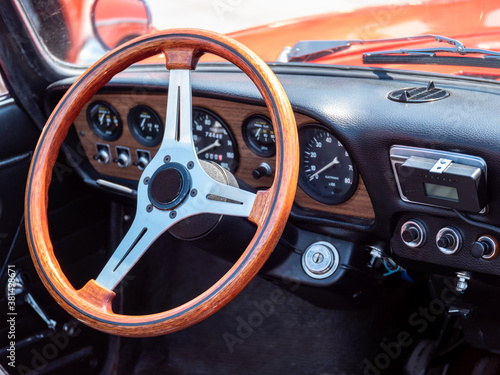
440 178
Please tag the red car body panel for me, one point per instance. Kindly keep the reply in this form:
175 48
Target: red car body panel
476 23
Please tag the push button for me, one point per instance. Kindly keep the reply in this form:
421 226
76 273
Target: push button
449 240
413 233
486 247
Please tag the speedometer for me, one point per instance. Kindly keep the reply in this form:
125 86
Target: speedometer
327 172
213 141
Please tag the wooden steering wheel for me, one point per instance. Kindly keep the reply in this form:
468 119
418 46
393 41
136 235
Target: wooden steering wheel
172 187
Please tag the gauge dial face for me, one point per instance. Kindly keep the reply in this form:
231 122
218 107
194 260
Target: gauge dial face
104 120
258 134
327 173
145 125
213 141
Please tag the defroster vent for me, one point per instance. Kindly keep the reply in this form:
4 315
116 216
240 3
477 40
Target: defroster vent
419 94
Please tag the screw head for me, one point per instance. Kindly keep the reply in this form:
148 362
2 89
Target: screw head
190 165
149 208
194 192
166 159
173 214
146 180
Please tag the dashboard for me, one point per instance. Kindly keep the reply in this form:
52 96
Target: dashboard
120 132
350 111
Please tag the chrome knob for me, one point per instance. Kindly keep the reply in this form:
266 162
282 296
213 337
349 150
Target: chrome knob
123 160
142 163
103 156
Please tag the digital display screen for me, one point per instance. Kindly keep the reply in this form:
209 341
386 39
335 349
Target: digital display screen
440 191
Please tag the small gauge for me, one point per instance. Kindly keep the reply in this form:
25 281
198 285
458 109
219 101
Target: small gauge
104 121
213 141
258 134
145 125
327 172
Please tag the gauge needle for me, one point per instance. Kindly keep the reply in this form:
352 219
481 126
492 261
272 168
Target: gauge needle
209 147
101 118
330 164
257 134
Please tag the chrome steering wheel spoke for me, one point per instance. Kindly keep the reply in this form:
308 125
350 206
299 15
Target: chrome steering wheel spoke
143 232
217 198
173 186
178 131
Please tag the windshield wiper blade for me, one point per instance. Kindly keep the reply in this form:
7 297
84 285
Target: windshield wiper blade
458 48
429 55
309 50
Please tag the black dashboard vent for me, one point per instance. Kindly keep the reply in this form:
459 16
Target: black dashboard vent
419 94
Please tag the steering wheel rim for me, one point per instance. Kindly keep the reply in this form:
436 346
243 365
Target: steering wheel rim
182 49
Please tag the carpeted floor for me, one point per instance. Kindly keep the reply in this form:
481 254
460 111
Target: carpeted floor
294 338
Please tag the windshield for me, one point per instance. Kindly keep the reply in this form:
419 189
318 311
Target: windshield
81 31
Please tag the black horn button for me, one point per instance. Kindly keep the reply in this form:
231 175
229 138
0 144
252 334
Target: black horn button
169 185
166 186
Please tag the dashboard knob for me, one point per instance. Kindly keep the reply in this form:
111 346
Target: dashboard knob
449 240
142 163
479 249
264 170
410 234
103 156
446 242
486 247
123 160
413 233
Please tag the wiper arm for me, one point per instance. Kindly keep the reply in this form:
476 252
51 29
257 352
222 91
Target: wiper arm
458 48
489 59
309 50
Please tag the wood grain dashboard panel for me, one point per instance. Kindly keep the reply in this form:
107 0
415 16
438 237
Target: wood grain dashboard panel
233 114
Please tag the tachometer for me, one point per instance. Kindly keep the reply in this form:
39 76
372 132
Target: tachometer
213 141
327 173
104 121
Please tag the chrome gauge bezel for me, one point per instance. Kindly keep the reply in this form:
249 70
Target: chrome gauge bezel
305 185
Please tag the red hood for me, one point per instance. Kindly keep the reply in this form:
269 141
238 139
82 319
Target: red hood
476 23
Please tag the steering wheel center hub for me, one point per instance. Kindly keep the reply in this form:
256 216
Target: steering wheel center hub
169 186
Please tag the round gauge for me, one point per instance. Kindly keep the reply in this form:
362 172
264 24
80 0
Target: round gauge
104 121
145 125
213 141
258 134
327 173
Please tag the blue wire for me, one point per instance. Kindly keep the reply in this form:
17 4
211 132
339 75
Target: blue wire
391 271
